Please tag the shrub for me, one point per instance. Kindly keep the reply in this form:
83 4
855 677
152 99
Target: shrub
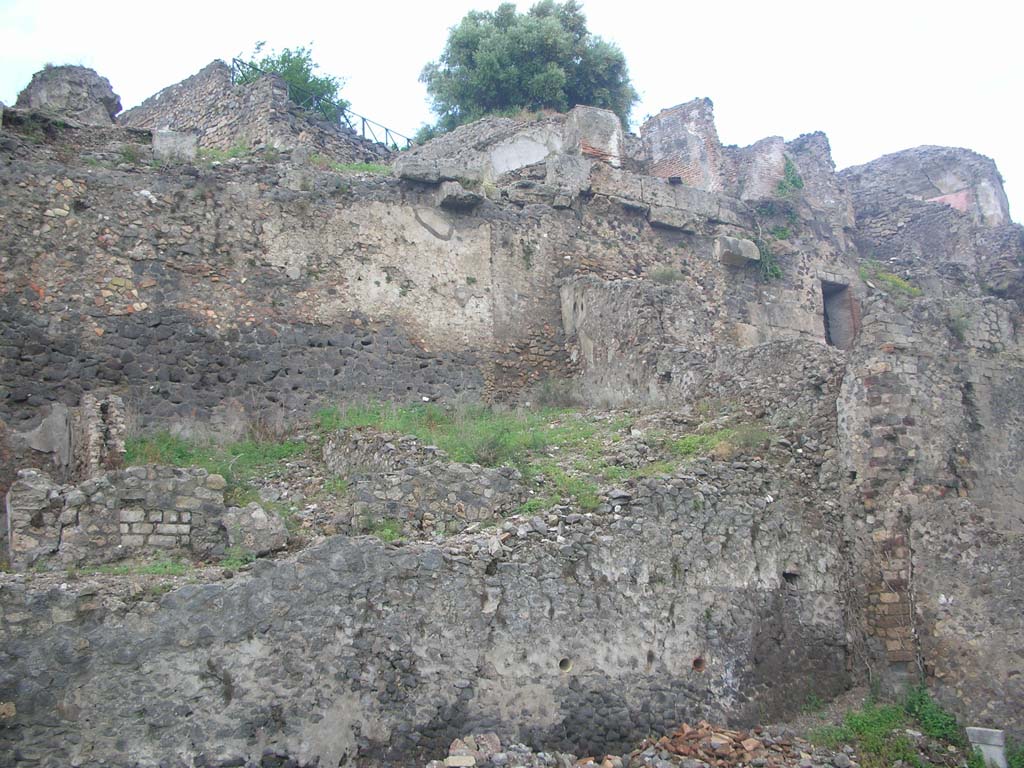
296 66
505 61
666 275
770 269
790 181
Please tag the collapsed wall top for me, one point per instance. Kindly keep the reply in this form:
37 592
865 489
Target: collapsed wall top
491 147
225 114
959 178
71 91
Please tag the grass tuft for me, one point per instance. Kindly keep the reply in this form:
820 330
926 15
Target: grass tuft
238 463
887 281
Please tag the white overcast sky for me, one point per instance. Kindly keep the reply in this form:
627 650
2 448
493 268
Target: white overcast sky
877 77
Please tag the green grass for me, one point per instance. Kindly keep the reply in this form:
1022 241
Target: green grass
876 730
812 703
387 530
743 437
933 719
211 154
327 164
564 484
235 557
238 463
162 567
873 730
781 233
1014 755
474 434
130 154
336 486
887 281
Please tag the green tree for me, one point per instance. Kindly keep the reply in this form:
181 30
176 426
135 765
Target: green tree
504 61
319 93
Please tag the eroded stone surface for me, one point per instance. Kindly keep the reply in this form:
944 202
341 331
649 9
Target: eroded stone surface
72 91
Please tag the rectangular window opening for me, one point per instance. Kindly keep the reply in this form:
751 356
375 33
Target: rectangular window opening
839 315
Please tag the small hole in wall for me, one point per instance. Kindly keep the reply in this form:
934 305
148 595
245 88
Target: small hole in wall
698 664
791 577
650 657
565 664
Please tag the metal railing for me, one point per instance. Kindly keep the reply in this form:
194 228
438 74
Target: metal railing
369 129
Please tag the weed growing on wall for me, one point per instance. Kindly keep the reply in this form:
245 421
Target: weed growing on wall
770 268
387 530
791 182
874 272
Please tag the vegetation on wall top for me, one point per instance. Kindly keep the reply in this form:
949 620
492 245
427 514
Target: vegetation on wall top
503 62
320 93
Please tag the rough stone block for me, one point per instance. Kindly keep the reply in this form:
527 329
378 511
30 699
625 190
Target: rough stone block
133 515
595 133
255 530
991 743
174 146
216 483
425 172
736 251
673 218
454 196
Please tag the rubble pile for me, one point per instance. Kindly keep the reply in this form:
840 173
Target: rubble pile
701 746
708 745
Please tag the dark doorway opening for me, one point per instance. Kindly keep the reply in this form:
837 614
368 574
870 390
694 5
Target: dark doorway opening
839 317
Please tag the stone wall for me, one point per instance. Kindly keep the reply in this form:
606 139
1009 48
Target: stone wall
682 142
396 477
879 528
715 594
237 294
932 443
259 114
961 179
268 288
114 515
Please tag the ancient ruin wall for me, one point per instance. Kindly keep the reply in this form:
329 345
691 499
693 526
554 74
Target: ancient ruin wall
255 115
258 266
961 179
933 441
114 515
714 595
204 294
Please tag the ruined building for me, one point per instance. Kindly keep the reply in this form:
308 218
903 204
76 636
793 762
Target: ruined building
871 319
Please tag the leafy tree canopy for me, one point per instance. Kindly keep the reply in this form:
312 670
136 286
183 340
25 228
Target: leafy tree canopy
319 93
504 61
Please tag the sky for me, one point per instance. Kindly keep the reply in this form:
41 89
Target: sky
877 77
